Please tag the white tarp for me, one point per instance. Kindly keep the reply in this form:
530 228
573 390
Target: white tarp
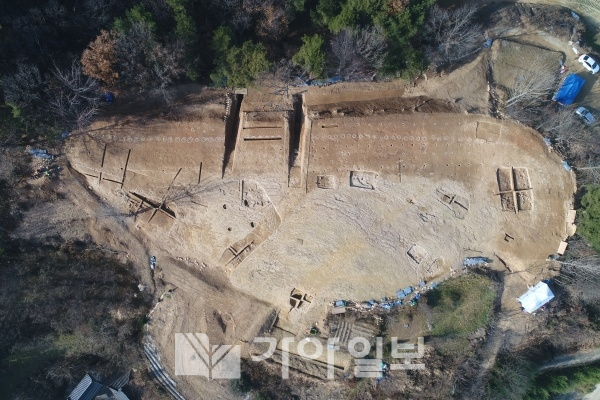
536 297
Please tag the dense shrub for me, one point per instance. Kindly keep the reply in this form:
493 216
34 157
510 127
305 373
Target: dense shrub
580 379
311 56
589 217
236 66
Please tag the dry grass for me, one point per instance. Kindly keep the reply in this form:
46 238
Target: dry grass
448 314
461 306
516 59
458 308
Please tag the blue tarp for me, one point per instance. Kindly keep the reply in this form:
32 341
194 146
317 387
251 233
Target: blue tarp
476 261
319 82
404 292
569 90
40 153
108 97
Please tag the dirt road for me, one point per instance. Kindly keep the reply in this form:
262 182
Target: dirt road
590 9
572 360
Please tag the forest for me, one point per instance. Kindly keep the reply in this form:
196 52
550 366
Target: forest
60 56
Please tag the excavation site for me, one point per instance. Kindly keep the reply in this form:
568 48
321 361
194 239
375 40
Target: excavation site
263 210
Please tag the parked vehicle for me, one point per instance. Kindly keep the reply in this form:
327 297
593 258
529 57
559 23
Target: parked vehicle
585 115
589 63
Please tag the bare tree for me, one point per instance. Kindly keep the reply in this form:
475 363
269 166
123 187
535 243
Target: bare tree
572 138
274 16
24 87
93 14
167 66
562 124
342 51
583 274
530 87
241 19
452 34
146 64
270 18
358 53
74 97
509 378
132 50
281 76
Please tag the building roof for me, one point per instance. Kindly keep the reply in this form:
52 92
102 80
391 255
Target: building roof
90 389
117 381
536 297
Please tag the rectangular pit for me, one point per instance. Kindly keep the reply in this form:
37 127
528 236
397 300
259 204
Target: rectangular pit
326 182
525 200
521 176
364 179
505 180
508 201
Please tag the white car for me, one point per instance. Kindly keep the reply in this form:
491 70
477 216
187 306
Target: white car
585 115
589 63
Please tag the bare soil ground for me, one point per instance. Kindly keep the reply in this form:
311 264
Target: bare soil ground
397 173
466 86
